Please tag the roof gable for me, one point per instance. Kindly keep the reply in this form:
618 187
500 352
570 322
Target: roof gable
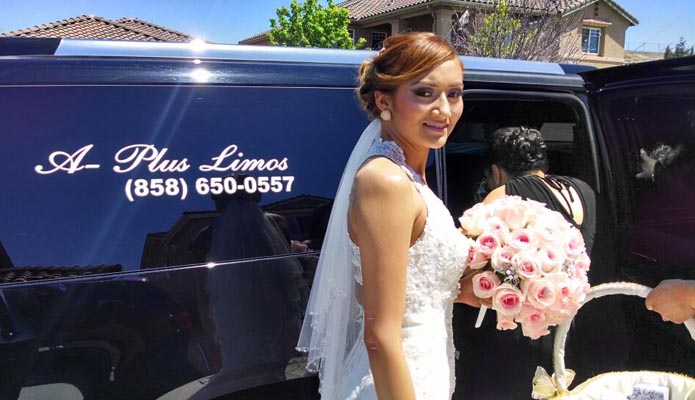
95 27
614 5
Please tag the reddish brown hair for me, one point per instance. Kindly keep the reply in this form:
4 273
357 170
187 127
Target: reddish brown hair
402 59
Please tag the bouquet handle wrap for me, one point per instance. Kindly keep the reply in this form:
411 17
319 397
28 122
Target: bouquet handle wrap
481 315
624 288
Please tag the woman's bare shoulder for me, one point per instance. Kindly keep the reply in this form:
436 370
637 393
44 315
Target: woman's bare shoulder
495 194
382 177
382 199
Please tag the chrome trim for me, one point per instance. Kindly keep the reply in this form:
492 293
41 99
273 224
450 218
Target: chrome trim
210 51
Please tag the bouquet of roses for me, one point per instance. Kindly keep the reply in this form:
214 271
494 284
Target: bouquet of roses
533 263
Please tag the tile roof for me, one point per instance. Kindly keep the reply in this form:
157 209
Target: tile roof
95 27
159 31
361 9
255 36
25 274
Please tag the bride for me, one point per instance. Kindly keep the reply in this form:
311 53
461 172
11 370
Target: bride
378 324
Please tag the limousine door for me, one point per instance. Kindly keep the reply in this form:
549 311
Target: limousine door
644 115
644 118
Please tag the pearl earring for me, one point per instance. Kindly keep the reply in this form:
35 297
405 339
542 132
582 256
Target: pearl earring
385 115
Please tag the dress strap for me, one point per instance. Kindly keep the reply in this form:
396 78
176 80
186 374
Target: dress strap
564 187
392 151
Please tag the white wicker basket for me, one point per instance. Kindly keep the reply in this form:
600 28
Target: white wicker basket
612 385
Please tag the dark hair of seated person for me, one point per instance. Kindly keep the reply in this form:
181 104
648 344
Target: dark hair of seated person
518 150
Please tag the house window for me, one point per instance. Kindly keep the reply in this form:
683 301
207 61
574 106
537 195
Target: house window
377 39
591 40
351 32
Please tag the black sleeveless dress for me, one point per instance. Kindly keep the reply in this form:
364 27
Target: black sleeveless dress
499 365
538 188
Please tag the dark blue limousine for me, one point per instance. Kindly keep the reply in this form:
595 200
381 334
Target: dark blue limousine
163 207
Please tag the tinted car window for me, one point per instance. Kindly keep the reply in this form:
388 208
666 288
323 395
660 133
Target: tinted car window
142 176
657 212
560 123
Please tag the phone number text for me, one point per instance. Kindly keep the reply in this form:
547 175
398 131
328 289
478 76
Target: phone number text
178 187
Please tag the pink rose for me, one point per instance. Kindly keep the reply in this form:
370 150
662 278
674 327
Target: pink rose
563 289
535 212
556 220
498 227
570 294
501 259
534 206
579 276
507 300
540 293
581 265
476 259
560 314
487 243
485 283
579 289
546 233
511 212
473 220
533 322
551 259
573 244
505 323
522 239
527 265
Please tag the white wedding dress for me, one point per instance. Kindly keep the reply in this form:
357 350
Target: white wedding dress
435 265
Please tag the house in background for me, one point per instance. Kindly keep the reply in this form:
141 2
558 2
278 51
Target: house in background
94 27
599 40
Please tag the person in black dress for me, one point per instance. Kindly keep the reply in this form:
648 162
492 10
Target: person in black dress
518 165
501 364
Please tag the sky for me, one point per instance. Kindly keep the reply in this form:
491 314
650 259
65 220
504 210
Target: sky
229 21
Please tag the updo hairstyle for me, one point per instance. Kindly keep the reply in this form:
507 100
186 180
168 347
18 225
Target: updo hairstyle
403 58
517 150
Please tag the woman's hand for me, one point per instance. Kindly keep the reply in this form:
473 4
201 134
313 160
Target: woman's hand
648 166
673 299
466 295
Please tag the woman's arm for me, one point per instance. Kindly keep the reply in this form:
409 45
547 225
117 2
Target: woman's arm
466 295
674 299
382 214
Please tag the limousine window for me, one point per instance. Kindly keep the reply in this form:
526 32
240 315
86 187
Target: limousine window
656 210
140 177
561 122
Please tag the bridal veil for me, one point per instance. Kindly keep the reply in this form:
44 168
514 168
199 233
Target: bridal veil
332 323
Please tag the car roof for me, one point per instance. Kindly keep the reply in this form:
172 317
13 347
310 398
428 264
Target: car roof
494 68
640 73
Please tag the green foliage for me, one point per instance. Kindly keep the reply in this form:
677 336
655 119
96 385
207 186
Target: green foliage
522 29
494 38
679 50
668 53
309 24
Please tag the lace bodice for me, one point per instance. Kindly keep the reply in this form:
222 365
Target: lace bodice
435 265
437 258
